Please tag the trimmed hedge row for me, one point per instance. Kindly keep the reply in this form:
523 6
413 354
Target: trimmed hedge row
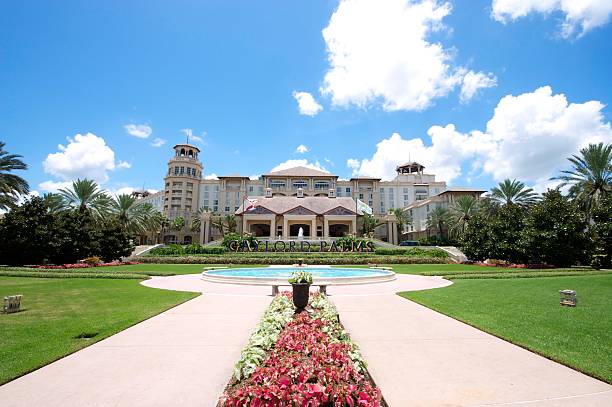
537 274
414 251
54 274
178 250
249 259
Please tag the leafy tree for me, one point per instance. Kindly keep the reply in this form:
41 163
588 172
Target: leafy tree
513 192
402 218
196 223
55 202
76 235
591 175
462 210
601 228
495 235
554 232
225 224
114 241
11 185
86 196
438 219
369 224
231 223
27 233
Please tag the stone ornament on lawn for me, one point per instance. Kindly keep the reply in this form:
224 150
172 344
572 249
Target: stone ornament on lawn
12 303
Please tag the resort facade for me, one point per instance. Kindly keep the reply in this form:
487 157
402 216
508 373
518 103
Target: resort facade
280 204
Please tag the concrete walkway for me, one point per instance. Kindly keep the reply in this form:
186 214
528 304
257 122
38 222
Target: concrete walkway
182 357
418 357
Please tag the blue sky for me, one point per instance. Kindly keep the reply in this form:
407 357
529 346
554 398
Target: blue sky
457 81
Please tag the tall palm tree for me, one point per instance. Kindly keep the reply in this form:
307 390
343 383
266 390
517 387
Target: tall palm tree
462 210
55 203
86 196
402 218
513 192
225 224
437 219
11 185
196 223
591 175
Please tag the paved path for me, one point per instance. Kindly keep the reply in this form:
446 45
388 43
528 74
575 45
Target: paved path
418 357
182 357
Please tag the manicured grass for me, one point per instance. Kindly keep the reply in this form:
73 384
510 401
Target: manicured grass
527 312
468 271
57 311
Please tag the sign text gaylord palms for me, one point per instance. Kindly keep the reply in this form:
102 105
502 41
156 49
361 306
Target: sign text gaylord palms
299 246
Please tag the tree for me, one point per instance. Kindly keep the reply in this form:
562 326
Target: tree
11 185
27 234
196 223
135 217
54 202
601 228
402 218
554 232
86 196
369 224
513 192
462 210
177 223
591 175
114 241
438 219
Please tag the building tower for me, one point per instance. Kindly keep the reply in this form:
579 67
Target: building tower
182 191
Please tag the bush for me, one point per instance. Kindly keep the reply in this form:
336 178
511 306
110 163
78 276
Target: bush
92 261
412 252
228 238
178 250
242 258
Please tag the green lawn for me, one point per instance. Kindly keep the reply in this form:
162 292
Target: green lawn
57 311
467 271
526 311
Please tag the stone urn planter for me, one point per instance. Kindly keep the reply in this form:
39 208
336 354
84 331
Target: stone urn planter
300 282
300 296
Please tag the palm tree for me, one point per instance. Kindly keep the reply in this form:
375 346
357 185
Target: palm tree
225 224
370 223
135 217
463 209
402 218
196 223
591 175
438 219
178 224
86 196
512 192
55 203
11 185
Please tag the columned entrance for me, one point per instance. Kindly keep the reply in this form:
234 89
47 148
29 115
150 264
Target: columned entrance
294 229
260 229
338 230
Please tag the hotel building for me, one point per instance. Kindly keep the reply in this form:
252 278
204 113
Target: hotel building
280 203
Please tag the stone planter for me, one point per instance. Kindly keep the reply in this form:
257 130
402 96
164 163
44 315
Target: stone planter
300 296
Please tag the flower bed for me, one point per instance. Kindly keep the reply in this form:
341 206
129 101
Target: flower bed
312 362
86 265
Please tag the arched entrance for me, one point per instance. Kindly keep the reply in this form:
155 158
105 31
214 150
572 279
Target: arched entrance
338 230
187 240
260 229
295 229
169 239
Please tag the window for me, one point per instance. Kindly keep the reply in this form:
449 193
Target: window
188 170
300 184
348 190
182 171
277 184
227 209
360 196
406 198
190 185
176 170
250 188
338 191
405 190
382 190
321 185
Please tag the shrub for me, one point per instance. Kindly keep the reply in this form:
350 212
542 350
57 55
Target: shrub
92 261
242 258
229 237
178 250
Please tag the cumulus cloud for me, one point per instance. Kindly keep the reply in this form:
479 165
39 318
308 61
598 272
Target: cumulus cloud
54 186
158 142
191 137
474 81
124 165
299 163
138 130
528 137
581 16
85 156
381 52
301 149
307 104
212 176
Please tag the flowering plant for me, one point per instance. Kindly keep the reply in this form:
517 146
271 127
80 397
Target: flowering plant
301 277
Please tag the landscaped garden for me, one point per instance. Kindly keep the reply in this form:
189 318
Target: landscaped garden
61 316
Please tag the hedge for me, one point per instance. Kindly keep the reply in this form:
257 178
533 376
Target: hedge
414 251
54 274
177 250
331 260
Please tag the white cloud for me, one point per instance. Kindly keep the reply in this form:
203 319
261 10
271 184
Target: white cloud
124 165
254 177
85 156
529 138
301 149
380 52
138 130
474 81
211 176
158 142
307 104
299 163
191 137
54 186
581 16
